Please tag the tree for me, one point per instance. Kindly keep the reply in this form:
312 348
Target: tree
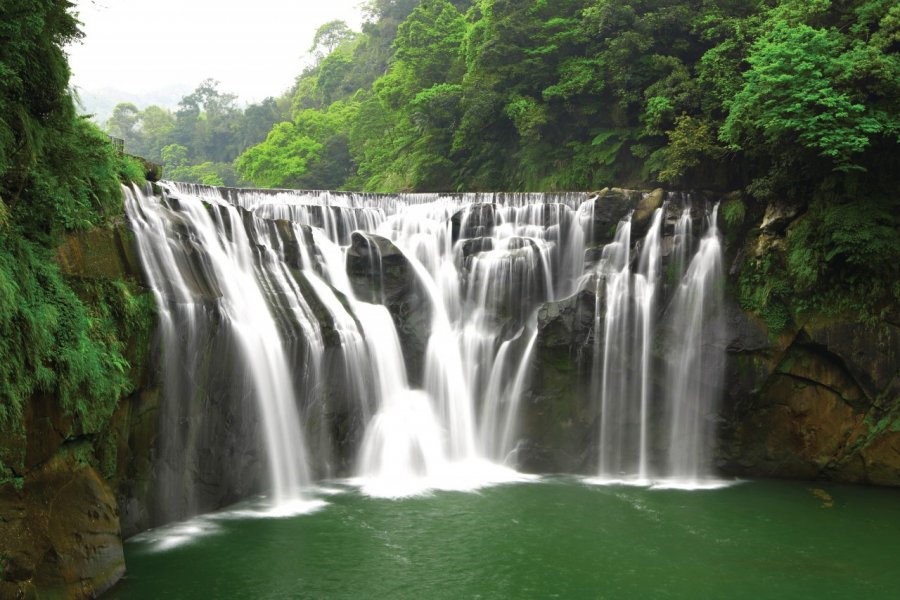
157 126
328 37
123 123
281 160
796 93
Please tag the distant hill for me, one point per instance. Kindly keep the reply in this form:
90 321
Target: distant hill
100 103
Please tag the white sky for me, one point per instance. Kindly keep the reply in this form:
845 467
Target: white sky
255 48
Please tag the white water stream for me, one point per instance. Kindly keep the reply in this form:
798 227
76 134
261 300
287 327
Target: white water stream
272 268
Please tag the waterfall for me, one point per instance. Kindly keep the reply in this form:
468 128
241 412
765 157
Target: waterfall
651 433
695 367
217 249
392 338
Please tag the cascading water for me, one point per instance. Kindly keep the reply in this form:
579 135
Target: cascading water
397 332
635 409
218 251
695 367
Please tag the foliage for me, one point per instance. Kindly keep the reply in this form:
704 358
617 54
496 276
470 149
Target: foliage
51 343
208 125
800 89
691 142
329 36
844 257
764 290
58 174
733 212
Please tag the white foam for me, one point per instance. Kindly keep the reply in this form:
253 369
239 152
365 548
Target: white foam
663 484
461 476
173 535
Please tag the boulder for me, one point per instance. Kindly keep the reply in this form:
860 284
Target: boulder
472 246
558 417
642 217
476 220
60 535
606 209
380 273
778 215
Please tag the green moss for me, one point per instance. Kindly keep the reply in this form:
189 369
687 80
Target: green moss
107 454
17 482
563 363
50 341
70 345
672 273
764 290
733 213
788 364
844 258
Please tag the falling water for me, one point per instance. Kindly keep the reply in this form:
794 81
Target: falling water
217 245
650 432
695 368
615 266
325 349
645 286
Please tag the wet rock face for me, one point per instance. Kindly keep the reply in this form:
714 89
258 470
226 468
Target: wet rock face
870 354
507 283
815 412
819 401
60 535
476 220
380 273
99 253
471 247
558 418
607 208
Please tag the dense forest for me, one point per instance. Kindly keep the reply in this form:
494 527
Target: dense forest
440 95
790 101
59 174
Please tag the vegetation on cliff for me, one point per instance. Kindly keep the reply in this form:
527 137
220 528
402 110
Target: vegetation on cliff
58 174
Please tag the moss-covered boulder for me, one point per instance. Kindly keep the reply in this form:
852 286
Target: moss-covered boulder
642 217
607 207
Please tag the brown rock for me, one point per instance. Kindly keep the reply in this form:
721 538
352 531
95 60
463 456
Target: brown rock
882 459
870 353
99 253
60 535
643 214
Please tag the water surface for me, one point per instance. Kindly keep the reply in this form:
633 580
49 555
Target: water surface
557 538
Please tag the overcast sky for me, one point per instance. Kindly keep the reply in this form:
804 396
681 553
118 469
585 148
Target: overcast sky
255 48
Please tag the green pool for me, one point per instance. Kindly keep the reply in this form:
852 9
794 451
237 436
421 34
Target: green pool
553 538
